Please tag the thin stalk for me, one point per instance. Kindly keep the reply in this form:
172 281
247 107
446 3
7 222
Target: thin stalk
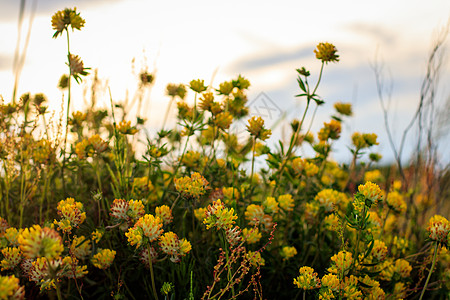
167 112
296 133
151 273
431 270
253 158
67 115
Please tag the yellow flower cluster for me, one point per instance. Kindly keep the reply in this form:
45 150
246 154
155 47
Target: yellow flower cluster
364 140
439 229
341 263
379 250
270 205
395 202
71 213
40 242
307 280
230 194
373 176
62 19
80 247
125 127
103 258
127 211
329 199
331 130
288 252
343 108
10 288
148 226
11 234
164 213
302 166
192 159
191 187
252 235
286 202
217 215
197 85
255 258
71 269
326 52
371 192
44 152
11 258
171 245
256 128
90 147
254 214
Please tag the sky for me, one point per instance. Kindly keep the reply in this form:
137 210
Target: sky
263 41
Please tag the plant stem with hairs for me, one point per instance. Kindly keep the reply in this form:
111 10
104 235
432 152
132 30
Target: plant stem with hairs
431 270
151 273
293 142
67 114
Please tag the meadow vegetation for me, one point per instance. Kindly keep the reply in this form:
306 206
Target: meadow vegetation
83 216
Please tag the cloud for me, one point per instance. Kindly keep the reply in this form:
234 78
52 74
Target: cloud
376 32
9 10
269 59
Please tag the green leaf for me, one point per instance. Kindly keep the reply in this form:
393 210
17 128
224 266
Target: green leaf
301 95
301 84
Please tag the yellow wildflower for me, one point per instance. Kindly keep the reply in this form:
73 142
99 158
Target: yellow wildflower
254 214
191 187
307 280
197 86
256 128
379 250
62 19
164 213
326 52
151 226
343 108
373 176
331 282
371 191
403 268
395 202
288 252
134 236
328 199
341 263
104 258
11 258
270 205
438 228
217 215
200 213
286 202
255 258
135 209
124 127
40 242
80 247
10 288
251 235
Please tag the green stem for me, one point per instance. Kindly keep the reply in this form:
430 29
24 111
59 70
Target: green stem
431 270
151 273
67 115
253 159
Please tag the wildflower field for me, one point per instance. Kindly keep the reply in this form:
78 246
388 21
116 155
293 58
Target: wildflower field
86 215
